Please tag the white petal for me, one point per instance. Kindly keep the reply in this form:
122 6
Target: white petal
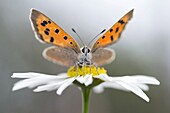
137 79
65 85
33 74
99 89
103 77
144 87
25 75
80 79
88 80
135 89
134 84
50 86
114 85
146 79
35 80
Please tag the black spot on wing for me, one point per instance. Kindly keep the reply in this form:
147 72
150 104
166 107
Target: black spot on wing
111 38
49 22
103 37
57 31
117 29
47 29
111 30
46 32
51 39
65 38
43 24
121 22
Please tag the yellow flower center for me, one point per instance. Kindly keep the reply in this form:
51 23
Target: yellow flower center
82 71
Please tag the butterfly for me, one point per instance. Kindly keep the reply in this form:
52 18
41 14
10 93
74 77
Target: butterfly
66 50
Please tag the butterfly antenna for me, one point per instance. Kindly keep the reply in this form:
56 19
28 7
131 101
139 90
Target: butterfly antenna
78 36
96 36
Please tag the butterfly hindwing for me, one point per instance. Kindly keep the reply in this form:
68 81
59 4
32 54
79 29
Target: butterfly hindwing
47 31
113 34
103 56
60 55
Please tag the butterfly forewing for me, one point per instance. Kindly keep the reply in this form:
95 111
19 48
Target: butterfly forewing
113 34
47 31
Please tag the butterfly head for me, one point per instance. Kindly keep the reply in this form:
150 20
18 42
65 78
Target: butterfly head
85 50
85 56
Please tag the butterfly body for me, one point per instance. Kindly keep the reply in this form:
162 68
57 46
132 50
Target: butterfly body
85 58
66 51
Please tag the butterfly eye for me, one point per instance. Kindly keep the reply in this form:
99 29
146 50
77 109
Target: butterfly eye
83 50
88 50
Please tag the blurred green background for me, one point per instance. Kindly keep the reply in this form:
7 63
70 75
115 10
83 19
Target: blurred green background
144 48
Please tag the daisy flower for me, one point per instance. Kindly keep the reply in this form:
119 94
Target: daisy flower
86 77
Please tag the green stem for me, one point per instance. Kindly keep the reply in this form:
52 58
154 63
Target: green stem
86 95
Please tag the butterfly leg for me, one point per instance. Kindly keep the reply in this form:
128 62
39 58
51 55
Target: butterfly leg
83 68
91 64
96 68
76 65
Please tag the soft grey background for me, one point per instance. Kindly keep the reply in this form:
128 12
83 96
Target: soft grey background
144 48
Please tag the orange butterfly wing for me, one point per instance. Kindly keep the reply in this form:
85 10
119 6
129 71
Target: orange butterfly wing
47 31
113 34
